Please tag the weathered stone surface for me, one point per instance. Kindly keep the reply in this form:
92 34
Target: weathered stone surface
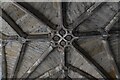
56 75
13 10
51 61
0 60
74 75
104 61
31 25
53 72
51 10
6 28
115 47
12 52
116 25
77 60
35 49
92 45
33 52
96 50
76 9
100 18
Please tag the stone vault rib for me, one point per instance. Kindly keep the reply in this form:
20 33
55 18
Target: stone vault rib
6 37
81 72
64 13
12 23
86 14
4 61
37 14
50 72
91 61
78 21
38 62
112 22
19 59
111 57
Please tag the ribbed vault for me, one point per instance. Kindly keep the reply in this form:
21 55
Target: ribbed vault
60 40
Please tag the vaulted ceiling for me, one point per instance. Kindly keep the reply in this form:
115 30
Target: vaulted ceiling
60 40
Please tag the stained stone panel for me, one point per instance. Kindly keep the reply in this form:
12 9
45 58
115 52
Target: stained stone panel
31 25
100 19
115 47
74 75
79 61
6 28
51 10
14 12
54 59
13 49
34 50
76 9
97 52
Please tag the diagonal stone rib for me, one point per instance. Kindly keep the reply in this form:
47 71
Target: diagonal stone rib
66 52
6 37
111 57
91 34
50 72
20 59
38 62
66 56
87 34
81 72
91 61
86 14
112 22
37 14
64 13
4 62
38 36
12 23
